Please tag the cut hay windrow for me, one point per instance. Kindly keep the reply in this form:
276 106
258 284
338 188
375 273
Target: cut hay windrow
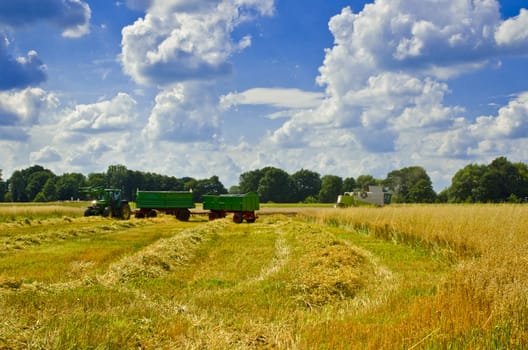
161 257
331 269
28 233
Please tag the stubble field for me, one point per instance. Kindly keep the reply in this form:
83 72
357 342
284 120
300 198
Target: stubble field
398 277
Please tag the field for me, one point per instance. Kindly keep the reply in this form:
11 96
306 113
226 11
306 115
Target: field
398 277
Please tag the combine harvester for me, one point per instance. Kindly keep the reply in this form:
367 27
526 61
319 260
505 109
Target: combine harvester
375 196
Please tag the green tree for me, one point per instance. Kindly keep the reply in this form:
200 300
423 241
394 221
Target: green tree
206 186
96 180
234 189
249 181
35 183
17 186
364 181
49 191
331 187
422 192
443 196
502 180
306 183
117 176
410 185
523 184
349 184
23 187
68 186
275 186
466 184
170 183
3 188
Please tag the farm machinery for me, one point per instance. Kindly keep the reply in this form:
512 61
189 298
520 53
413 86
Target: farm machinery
175 203
375 195
178 203
242 206
107 202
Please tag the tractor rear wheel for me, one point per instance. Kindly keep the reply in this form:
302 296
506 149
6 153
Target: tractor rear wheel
125 212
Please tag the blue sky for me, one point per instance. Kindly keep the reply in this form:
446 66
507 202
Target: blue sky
219 87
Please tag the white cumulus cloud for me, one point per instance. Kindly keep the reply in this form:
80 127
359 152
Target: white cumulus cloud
73 16
187 112
186 40
276 97
116 114
46 154
514 31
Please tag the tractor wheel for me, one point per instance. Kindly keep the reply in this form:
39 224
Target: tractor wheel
183 215
237 218
125 212
88 212
107 212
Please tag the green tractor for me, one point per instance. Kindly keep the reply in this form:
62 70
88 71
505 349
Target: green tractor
107 202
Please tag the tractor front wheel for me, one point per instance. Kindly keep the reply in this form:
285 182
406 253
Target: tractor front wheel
88 212
107 212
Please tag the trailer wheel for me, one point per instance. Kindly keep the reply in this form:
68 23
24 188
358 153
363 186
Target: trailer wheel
151 213
183 215
237 218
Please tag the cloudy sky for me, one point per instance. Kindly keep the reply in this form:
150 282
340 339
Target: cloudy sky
219 87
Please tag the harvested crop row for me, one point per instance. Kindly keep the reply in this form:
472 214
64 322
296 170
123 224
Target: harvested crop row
27 233
160 257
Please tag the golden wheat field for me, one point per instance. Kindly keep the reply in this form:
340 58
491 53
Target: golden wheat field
397 277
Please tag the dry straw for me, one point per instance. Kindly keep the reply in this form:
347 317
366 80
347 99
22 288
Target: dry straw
488 243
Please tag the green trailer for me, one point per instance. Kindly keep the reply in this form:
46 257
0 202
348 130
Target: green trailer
176 203
242 206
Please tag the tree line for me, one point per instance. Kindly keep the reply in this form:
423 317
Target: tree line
499 181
